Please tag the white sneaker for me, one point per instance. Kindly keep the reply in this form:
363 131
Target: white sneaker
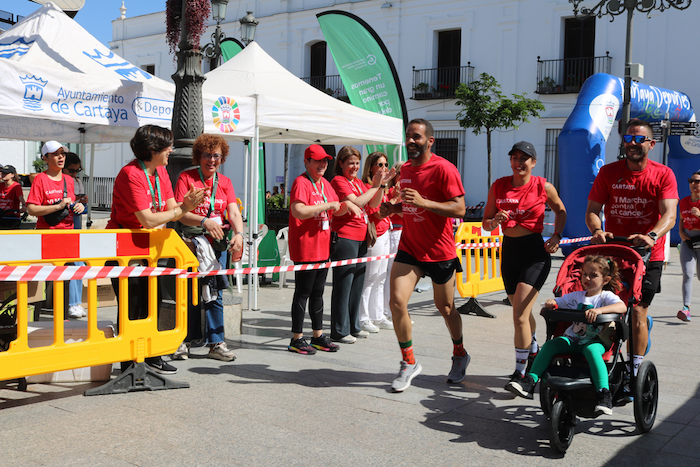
182 352
74 312
82 310
385 324
361 335
345 339
406 374
369 327
221 352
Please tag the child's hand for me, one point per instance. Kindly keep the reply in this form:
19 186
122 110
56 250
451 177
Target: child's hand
551 304
591 314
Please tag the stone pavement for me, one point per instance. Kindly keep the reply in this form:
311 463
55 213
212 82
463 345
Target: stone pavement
273 407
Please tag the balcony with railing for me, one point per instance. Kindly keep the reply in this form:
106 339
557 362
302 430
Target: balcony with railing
440 83
567 75
330 84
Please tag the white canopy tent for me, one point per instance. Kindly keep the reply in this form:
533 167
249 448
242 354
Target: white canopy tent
288 110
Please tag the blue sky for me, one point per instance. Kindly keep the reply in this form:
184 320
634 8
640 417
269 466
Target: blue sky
96 16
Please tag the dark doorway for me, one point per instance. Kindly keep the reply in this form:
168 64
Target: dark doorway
448 62
318 65
579 52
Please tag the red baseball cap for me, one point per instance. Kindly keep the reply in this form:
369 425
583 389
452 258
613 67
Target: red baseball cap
316 152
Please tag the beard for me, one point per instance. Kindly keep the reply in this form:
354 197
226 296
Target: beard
634 155
414 151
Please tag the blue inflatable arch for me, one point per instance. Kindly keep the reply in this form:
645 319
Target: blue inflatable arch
582 140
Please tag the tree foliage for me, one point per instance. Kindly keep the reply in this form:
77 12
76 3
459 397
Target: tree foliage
485 109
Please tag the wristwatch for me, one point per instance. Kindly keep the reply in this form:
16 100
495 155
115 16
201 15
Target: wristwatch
653 235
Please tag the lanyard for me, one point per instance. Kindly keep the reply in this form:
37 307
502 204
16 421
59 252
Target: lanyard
213 189
150 187
353 186
325 200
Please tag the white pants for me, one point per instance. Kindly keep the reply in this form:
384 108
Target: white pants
393 248
372 302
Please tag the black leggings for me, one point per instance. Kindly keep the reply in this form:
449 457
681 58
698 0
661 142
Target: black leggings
524 259
308 287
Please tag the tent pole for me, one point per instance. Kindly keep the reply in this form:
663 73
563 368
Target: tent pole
91 185
253 281
246 161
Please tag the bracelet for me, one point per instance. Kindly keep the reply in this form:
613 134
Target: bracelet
237 233
382 186
201 224
557 234
595 230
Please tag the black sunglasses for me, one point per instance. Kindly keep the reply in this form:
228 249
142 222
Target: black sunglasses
381 164
690 180
639 139
75 171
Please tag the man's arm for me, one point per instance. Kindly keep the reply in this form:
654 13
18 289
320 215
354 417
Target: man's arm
594 224
667 208
451 208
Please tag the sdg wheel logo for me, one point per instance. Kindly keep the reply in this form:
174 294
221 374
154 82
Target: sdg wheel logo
226 114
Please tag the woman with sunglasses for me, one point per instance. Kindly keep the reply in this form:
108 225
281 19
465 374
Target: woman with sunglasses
517 204
213 219
689 230
372 317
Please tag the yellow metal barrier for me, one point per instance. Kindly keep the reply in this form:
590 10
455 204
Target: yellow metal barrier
136 340
482 266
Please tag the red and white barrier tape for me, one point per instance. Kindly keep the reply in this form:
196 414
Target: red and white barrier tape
64 273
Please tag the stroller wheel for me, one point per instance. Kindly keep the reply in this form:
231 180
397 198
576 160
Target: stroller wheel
562 423
546 398
646 396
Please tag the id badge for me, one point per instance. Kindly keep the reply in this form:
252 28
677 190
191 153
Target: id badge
325 225
218 220
366 218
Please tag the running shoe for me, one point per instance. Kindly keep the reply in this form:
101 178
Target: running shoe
182 352
406 374
301 346
604 404
74 312
384 324
684 314
524 386
459 368
324 344
159 365
221 352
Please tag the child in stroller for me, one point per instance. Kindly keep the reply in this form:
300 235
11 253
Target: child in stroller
599 279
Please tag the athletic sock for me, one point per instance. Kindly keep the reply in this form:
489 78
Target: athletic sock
458 350
521 360
534 348
637 361
407 352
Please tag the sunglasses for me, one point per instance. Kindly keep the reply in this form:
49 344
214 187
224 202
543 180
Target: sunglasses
75 171
216 157
381 164
639 139
690 180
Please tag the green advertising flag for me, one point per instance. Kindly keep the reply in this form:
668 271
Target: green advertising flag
366 69
229 48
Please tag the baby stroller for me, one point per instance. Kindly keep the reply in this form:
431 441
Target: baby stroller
566 390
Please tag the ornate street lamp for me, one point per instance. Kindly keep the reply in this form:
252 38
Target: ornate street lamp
212 51
248 25
616 8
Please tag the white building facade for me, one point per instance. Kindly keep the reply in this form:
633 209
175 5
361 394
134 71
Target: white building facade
535 47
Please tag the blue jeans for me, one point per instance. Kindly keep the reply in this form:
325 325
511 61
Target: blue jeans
348 282
213 312
75 289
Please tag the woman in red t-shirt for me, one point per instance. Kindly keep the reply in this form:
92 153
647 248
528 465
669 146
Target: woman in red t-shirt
689 230
351 229
517 203
216 215
372 316
12 203
143 198
312 202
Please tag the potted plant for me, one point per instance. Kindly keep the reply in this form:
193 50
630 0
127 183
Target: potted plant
422 91
277 212
545 85
39 166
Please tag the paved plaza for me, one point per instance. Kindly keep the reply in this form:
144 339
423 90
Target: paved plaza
273 407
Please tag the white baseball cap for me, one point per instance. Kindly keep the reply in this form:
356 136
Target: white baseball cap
52 146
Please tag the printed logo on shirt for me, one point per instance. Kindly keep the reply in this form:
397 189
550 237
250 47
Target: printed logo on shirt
623 186
415 213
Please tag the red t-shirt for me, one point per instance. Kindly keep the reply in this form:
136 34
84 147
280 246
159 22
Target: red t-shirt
225 193
349 225
308 241
9 196
132 194
428 236
382 225
524 204
396 219
632 199
690 221
45 191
